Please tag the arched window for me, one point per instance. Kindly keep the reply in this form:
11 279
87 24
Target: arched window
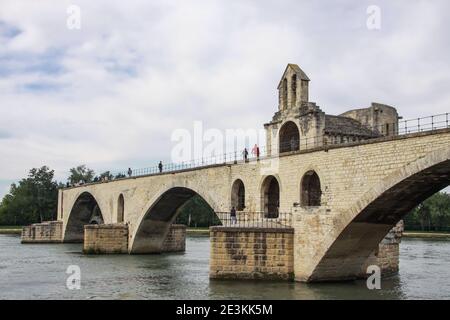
310 190
270 197
238 195
294 90
120 208
289 137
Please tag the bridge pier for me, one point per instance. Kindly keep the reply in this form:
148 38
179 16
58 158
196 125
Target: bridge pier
251 253
45 232
348 257
272 254
175 240
386 256
105 238
113 239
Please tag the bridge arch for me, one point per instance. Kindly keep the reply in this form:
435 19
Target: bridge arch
367 222
154 223
289 137
238 195
85 210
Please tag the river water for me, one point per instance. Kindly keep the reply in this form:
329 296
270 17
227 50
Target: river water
38 271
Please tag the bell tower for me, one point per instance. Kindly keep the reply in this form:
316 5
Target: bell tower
293 88
297 122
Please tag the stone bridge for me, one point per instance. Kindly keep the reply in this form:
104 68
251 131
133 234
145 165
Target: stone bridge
365 189
347 180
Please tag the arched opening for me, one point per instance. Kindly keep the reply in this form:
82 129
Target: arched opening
294 89
120 209
178 205
238 195
84 211
270 197
310 190
284 93
289 137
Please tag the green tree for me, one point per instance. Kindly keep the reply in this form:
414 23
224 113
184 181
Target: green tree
439 207
106 175
33 199
197 213
432 214
81 173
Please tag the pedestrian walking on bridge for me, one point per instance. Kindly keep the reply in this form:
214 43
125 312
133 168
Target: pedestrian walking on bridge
233 215
245 154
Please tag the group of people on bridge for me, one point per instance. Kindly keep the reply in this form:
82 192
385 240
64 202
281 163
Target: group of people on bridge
255 153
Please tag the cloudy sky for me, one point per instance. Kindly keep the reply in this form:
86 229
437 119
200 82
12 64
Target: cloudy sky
110 94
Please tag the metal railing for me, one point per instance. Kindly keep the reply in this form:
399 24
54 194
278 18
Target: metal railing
417 125
414 125
244 219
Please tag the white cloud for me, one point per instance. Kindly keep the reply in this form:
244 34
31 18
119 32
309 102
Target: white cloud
110 95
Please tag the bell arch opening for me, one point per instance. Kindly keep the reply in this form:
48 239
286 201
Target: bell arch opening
120 209
284 94
270 195
238 195
310 190
84 211
289 137
164 212
294 89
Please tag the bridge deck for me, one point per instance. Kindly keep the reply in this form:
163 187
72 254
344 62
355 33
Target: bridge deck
180 168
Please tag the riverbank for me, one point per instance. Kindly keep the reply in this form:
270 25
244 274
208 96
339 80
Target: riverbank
18 230
10 230
425 234
198 231
205 232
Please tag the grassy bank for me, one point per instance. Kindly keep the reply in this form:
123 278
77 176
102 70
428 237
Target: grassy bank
197 231
18 230
426 234
10 229
205 231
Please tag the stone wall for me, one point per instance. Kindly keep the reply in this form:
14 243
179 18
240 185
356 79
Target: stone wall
388 253
175 240
105 238
251 253
45 232
380 117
